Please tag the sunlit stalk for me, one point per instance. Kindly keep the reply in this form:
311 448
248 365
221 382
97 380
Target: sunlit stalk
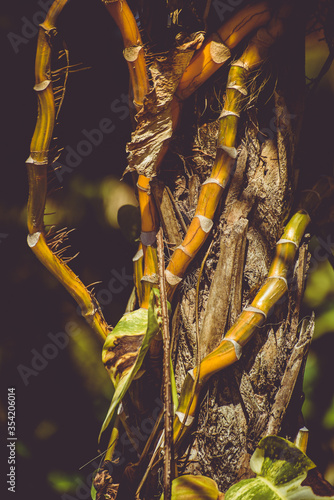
301 440
275 286
213 187
37 164
149 227
133 48
216 50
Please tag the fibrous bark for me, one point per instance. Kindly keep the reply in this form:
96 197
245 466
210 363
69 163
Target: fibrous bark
249 400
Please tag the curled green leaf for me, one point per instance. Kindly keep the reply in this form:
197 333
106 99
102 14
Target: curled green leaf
282 470
125 348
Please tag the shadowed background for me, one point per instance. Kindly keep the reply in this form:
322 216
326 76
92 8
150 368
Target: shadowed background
61 401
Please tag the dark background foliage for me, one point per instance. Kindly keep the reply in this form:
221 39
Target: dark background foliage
60 407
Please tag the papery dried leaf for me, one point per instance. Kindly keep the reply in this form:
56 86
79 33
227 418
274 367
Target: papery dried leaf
103 486
155 118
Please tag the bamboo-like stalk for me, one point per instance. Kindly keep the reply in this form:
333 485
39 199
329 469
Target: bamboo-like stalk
37 164
216 50
206 61
301 440
213 188
133 48
113 440
149 279
149 228
135 57
213 55
210 58
138 271
275 286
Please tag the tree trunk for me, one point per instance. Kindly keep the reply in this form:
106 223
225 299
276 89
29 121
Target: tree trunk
262 393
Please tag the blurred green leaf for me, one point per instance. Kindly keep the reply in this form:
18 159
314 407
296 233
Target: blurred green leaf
45 429
93 492
328 421
86 355
311 376
62 482
320 284
324 323
22 450
315 56
115 194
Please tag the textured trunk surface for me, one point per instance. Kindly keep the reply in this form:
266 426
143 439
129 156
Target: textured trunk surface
262 393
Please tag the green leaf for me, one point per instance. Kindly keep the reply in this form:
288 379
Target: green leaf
93 492
320 285
281 468
328 420
324 323
194 488
63 482
125 349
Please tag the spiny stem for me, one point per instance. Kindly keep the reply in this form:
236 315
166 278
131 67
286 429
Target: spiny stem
213 188
216 50
213 55
134 55
133 48
37 164
275 286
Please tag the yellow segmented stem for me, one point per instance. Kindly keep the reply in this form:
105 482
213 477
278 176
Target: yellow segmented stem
134 55
149 227
254 315
145 260
216 50
138 269
37 174
209 59
213 188
133 47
